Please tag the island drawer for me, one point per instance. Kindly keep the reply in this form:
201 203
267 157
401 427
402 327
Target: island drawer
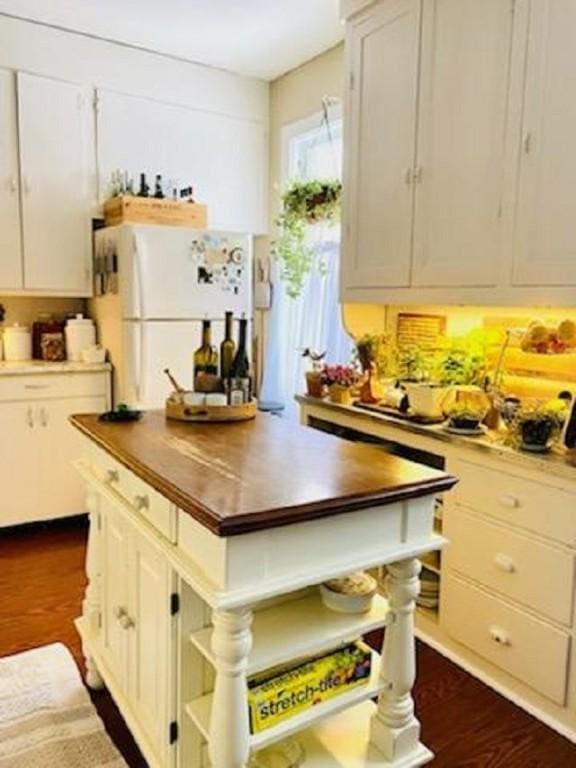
53 385
143 499
523 646
536 506
537 574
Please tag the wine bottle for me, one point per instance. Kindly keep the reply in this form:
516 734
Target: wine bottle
227 349
158 191
206 356
144 190
240 382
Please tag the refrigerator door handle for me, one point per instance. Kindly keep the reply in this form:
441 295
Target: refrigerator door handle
138 274
142 362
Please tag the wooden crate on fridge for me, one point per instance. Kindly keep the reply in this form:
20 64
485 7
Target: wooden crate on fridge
128 209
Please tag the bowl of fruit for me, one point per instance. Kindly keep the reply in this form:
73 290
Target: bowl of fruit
542 339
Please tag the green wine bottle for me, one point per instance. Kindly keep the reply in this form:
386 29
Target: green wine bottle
206 356
240 390
227 349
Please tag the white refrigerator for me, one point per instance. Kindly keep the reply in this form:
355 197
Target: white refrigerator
154 286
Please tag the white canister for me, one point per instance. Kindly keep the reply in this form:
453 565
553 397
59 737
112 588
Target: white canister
80 335
17 343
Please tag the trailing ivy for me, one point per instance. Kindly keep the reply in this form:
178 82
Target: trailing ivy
304 203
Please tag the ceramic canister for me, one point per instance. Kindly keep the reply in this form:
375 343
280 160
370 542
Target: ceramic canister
17 343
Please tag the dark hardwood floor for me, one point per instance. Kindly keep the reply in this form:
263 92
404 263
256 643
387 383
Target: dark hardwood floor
465 723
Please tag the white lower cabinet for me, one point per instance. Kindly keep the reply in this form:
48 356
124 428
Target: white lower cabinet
136 625
38 445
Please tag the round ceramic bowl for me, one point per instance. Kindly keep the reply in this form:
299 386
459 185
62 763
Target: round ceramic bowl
350 594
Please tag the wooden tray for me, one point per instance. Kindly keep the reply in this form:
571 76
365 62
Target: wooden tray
149 210
210 413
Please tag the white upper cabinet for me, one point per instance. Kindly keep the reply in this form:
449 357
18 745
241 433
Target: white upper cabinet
222 157
464 85
57 150
545 237
10 245
382 48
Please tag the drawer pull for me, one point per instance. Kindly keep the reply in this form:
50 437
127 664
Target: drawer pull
126 622
508 500
36 386
141 502
505 563
500 636
112 476
119 612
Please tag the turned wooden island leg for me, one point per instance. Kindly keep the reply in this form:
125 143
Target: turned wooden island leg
229 745
91 605
394 728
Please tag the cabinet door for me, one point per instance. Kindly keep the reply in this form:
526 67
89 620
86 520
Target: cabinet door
60 444
114 563
19 452
545 241
459 177
57 151
383 50
10 245
150 643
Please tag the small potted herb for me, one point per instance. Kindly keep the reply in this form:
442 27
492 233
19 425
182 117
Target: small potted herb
340 379
315 384
465 417
535 427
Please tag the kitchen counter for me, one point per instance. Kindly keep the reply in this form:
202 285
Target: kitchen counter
252 475
207 545
33 367
554 462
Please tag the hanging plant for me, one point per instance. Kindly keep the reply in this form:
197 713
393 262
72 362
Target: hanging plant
304 203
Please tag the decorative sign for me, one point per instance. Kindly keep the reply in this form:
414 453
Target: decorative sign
424 331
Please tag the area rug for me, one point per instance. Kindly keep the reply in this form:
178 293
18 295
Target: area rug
46 717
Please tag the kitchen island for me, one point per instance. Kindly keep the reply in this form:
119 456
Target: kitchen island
207 543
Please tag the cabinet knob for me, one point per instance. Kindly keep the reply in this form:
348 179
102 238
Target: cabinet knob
141 502
12 185
126 622
500 636
43 417
508 500
504 563
119 612
30 417
112 476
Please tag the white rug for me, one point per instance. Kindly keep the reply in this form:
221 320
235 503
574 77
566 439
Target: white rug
46 717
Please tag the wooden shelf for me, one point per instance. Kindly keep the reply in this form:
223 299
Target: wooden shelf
342 741
299 628
199 710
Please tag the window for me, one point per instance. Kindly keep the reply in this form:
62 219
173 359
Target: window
311 149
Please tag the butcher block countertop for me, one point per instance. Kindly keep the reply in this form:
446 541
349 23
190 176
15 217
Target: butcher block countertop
241 477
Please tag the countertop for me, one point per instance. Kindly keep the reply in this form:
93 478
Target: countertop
240 477
554 462
34 367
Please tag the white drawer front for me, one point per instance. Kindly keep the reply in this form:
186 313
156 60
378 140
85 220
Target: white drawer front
536 574
527 648
528 504
158 510
53 385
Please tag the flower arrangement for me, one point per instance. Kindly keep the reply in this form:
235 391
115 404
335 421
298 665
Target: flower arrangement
341 375
304 203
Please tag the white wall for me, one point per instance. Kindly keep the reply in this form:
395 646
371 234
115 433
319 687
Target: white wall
78 58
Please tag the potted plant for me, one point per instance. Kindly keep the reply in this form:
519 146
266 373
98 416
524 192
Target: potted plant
465 417
416 371
340 379
315 384
535 427
373 354
304 204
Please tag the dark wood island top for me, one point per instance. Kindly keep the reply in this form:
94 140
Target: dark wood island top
242 477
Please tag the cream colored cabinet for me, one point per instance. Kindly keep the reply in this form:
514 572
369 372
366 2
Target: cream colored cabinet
383 52
135 638
38 445
10 246
464 86
57 163
545 241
